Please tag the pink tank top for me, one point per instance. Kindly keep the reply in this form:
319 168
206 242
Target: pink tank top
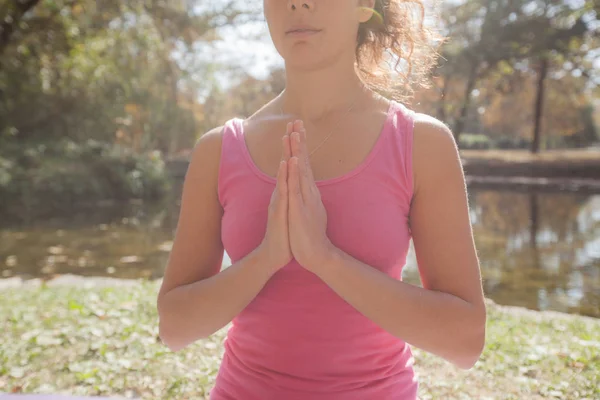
298 339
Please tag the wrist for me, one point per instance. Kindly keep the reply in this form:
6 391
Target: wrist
265 261
327 260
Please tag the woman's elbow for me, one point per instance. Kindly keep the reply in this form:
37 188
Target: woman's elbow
176 336
468 359
473 347
169 336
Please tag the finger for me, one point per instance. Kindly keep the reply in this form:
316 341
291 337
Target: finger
304 151
303 148
294 193
281 191
297 128
295 143
282 178
304 182
303 145
307 181
286 150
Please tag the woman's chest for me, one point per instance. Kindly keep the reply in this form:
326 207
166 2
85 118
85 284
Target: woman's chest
365 218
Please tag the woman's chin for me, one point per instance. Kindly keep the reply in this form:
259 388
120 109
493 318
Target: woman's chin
303 62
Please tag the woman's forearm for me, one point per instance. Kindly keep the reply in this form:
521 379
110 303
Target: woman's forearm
197 310
437 322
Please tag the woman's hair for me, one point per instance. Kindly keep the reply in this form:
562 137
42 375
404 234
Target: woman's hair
396 30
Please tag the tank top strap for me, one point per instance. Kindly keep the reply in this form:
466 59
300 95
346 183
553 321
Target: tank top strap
232 157
405 137
396 158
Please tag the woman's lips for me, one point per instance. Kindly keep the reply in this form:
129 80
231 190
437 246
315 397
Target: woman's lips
302 33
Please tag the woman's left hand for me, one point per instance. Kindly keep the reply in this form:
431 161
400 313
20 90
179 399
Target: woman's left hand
307 219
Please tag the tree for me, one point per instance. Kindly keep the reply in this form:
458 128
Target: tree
476 47
110 71
488 37
11 15
509 112
559 33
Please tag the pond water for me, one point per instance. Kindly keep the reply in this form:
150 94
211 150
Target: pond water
537 250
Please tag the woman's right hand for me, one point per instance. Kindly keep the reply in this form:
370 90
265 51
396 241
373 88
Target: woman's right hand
275 247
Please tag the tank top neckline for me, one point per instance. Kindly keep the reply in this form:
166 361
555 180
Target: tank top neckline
387 126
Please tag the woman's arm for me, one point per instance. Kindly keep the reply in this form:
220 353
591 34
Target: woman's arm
195 299
447 316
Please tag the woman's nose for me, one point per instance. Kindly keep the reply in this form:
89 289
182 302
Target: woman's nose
305 4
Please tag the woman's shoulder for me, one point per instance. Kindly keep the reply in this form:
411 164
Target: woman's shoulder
432 134
209 141
206 154
435 152
212 141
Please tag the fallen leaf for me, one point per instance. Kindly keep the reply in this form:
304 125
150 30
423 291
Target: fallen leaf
130 259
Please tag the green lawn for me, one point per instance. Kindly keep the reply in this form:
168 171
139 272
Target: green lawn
103 341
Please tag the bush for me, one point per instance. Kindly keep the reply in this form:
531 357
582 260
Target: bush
469 141
43 178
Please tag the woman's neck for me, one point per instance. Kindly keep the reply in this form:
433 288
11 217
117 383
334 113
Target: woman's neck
314 95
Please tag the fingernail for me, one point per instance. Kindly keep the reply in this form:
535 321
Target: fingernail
297 136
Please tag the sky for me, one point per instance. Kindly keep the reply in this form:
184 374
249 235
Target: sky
247 46
257 56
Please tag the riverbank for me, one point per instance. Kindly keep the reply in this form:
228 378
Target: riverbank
100 337
575 164
553 170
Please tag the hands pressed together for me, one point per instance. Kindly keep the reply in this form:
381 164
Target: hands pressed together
297 219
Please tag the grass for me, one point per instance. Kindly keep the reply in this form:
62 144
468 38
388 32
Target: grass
102 340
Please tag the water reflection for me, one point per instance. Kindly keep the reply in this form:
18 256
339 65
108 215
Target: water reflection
125 241
538 250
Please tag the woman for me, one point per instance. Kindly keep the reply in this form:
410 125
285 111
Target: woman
315 198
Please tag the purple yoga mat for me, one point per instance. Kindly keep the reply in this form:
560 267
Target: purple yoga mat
52 397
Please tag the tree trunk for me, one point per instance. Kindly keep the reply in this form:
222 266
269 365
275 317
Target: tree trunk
539 100
12 19
461 121
442 101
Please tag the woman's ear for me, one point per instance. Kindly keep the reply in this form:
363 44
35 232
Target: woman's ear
365 10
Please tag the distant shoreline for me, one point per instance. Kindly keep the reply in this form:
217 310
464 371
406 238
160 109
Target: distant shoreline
534 184
552 170
572 164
